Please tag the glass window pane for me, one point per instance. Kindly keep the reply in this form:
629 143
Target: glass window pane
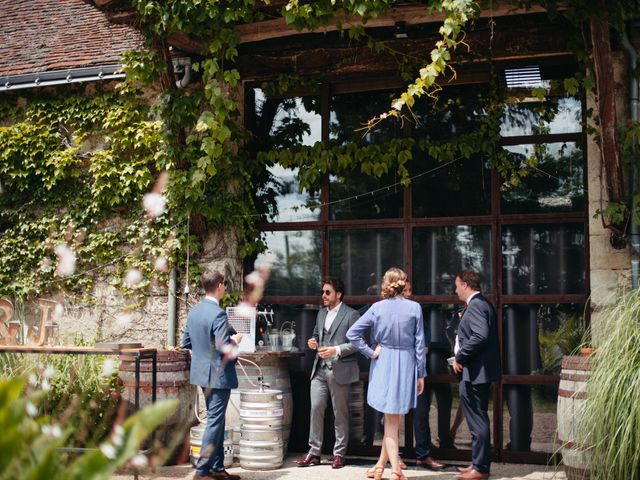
530 418
292 204
350 113
543 259
296 265
455 111
555 182
286 122
462 187
364 197
559 115
360 257
439 253
535 337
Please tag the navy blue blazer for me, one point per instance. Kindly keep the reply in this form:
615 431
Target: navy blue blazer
479 352
206 332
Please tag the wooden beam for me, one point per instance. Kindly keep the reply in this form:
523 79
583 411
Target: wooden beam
410 14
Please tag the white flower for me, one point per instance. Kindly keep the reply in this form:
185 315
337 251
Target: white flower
161 264
133 278
66 260
33 380
154 204
32 410
108 367
52 430
108 450
49 372
123 320
118 436
46 386
58 311
139 461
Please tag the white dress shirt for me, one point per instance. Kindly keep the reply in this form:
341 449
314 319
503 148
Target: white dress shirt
457 346
208 297
328 321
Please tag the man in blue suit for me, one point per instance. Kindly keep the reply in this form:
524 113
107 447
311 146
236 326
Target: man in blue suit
208 334
477 357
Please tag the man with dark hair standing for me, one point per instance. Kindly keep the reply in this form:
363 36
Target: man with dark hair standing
477 357
335 368
208 333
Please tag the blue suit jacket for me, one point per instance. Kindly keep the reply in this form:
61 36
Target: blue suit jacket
206 332
478 340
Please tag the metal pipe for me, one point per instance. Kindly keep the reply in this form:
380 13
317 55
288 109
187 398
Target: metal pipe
634 104
60 77
171 307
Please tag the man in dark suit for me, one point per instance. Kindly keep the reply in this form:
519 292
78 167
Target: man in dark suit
335 368
477 357
208 334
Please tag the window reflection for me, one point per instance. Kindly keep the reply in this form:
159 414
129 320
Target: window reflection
462 187
455 111
296 265
543 259
364 197
293 204
439 253
350 113
360 257
559 115
555 179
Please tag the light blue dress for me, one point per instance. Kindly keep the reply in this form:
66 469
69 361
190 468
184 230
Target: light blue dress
396 324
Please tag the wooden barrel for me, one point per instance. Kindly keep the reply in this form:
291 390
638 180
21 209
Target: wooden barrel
572 394
172 382
275 370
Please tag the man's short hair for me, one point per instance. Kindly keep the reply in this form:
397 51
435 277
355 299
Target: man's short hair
337 285
471 278
211 279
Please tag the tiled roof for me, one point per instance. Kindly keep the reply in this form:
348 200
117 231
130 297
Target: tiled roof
43 35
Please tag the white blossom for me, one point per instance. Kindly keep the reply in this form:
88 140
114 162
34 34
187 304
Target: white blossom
139 461
154 204
66 260
32 410
133 278
161 264
108 367
123 320
46 386
33 380
49 372
108 450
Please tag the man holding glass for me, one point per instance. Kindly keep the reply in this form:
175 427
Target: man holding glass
335 368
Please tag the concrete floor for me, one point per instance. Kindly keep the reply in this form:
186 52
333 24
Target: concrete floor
355 470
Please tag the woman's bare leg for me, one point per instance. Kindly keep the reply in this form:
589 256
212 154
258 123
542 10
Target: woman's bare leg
390 441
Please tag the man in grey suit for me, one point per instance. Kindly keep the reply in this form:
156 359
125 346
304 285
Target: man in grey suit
335 368
208 334
477 357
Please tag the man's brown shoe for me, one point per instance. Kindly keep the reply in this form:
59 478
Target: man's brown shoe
223 475
429 463
473 475
465 469
197 476
308 459
338 461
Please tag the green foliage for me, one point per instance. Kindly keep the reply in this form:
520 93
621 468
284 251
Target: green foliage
80 390
29 443
611 422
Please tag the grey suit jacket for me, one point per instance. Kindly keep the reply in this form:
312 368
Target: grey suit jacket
345 367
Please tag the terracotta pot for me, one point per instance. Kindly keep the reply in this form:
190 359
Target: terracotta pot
587 351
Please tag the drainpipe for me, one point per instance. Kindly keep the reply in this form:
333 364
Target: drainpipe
634 105
184 65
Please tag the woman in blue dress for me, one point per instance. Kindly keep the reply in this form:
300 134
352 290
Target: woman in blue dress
397 372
